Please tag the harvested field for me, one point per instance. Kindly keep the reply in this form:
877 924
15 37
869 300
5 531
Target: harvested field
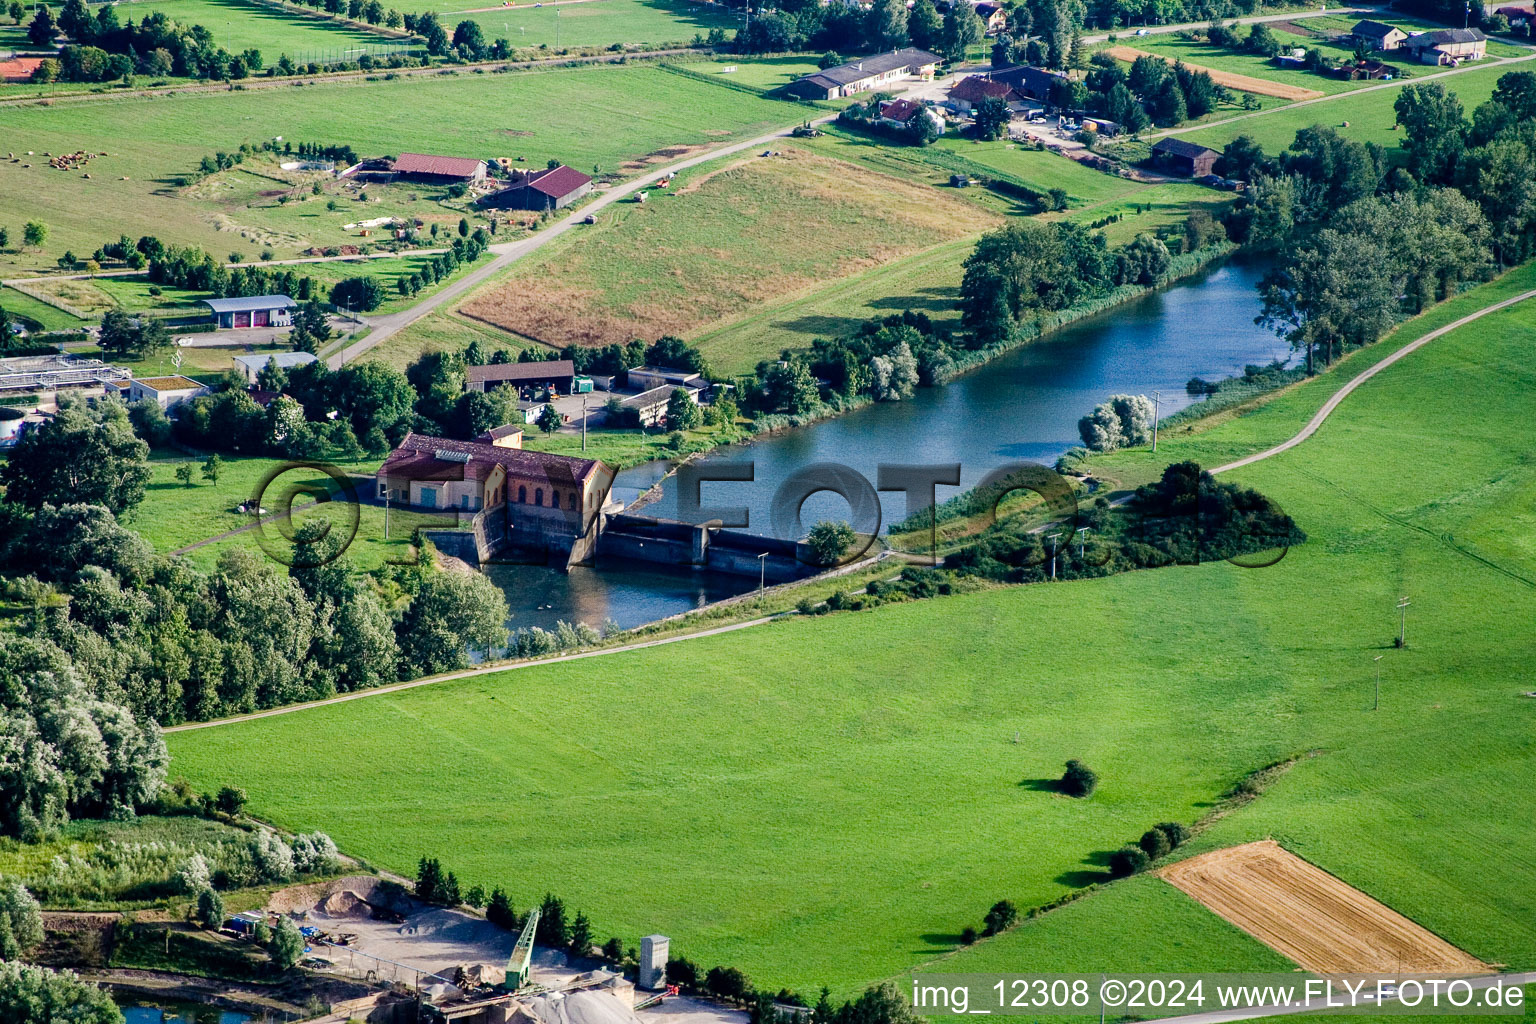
1310 916
723 239
1244 83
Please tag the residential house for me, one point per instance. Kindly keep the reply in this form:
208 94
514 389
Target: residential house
252 311
441 473
1378 35
992 16
901 114
867 73
438 170
1364 69
167 392
1448 46
1518 17
1030 83
509 436
551 189
969 93
1184 158
252 366
555 374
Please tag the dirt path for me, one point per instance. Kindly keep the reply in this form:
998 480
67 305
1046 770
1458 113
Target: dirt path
1243 83
1163 30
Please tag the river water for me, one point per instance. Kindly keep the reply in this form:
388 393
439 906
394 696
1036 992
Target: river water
1023 406
181 1013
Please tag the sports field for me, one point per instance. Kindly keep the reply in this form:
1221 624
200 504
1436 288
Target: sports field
722 238
582 116
754 787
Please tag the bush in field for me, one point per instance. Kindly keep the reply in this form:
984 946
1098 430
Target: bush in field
1177 834
1001 917
1154 843
286 946
37 995
210 909
1079 780
828 541
1128 861
272 857
21 921
314 851
194 875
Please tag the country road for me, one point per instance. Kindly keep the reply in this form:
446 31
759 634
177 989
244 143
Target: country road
1307 431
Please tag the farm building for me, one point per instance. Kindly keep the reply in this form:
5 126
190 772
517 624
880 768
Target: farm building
1184 158
1030 83
867 73
441 473
253 311
992 16
972 90
1448 46
438 170
646 377
901 113
1364 69
551 189
1518 17
167 392
552 373
252 366
1378 35
651 405
1102 126
509 436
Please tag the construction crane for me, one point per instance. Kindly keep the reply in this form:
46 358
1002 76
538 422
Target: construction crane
520 965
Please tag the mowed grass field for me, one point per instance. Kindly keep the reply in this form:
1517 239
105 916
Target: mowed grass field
583 116
724 237
237 25
833 799
576 23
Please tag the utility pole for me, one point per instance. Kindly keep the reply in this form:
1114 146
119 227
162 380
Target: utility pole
762 576
1157 401
386 513
1053 556
1377 705
583 422
1402 624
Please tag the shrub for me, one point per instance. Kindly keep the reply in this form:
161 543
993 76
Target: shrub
1079 780
1127 861
1154 843
967 936
1001 917
210 909
1177 834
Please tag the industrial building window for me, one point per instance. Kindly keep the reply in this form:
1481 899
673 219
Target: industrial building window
522 495
538 496
572 503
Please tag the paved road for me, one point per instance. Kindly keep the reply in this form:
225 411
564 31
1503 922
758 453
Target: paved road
1344 392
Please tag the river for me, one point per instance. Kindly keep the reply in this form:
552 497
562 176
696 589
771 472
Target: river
1023 406
180 1013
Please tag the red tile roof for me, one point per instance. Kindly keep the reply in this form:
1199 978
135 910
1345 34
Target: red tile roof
899 110
420 457
976 88
445 166
557 182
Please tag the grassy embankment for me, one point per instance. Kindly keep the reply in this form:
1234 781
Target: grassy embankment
852 786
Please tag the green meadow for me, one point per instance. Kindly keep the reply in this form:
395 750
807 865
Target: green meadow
576 23
831 800
237 25
583 116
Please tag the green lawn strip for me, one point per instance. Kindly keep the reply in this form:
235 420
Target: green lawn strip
594 23
764 73
49 318
583 116
174 514
1369 113
441 331
837 784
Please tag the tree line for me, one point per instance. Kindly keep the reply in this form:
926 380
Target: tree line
1363 244
172 643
